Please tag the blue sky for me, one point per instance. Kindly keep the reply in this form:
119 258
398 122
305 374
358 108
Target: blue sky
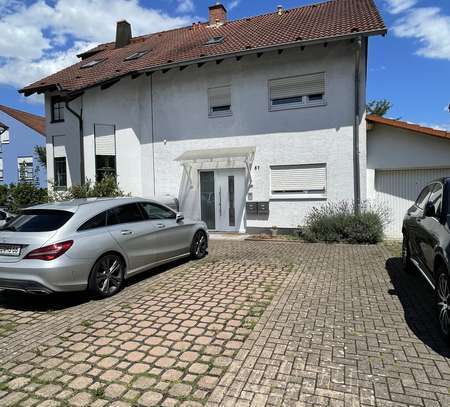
410 67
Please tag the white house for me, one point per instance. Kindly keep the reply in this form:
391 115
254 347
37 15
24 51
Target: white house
248 123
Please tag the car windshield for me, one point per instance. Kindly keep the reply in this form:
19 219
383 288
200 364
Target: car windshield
38 220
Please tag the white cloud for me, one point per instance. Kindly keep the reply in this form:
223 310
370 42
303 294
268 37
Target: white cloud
444 127
398 6
430 27
233 4
185 6
42 38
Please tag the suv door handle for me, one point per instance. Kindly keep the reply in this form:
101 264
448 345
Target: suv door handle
126 232
161 225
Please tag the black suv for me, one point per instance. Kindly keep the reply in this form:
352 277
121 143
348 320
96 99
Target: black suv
426 244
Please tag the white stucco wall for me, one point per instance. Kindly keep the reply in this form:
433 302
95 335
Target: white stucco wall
180 122
70 130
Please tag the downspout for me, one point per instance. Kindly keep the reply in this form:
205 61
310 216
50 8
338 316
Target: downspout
356 152
80 123
153 135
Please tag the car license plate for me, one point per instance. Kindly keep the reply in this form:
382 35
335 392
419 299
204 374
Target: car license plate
9 250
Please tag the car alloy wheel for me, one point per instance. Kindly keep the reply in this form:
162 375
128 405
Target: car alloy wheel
443 298
199 245
108 274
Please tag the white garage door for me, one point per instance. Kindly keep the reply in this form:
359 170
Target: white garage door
398 190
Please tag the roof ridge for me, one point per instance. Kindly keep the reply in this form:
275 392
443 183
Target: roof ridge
309 24
186 27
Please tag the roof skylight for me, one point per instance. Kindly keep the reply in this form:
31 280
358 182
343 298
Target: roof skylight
92 63
136 55
215 40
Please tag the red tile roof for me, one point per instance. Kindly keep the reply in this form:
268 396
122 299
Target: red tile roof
299 26
408 126
37 123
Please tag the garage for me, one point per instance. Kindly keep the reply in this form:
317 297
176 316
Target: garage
401 159
398 189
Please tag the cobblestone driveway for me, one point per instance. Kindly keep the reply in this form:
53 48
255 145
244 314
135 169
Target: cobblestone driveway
256 323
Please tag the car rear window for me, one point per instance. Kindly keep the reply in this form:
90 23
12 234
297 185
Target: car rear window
38 220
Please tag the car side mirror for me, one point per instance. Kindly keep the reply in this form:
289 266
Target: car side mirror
430 210
180 217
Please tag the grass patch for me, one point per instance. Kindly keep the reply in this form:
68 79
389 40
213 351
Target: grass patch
87 323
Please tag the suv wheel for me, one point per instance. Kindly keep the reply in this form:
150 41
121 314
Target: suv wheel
107 276
406 255
442 292
199 245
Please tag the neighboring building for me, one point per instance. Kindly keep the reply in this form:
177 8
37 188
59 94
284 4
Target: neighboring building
249 123
20 133
402 158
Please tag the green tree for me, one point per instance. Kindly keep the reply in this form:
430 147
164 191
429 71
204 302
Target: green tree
41 154
379 107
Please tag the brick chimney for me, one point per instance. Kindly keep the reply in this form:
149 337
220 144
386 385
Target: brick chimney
123 34
217 14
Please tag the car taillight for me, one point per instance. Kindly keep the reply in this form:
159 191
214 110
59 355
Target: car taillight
50 252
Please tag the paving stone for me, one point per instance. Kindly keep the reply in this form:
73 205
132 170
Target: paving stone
81 383
144 382
114 391
172 375
180 390
255 323
150 398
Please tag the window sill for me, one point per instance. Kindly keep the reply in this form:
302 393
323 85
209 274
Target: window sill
292 106
57 121
298 197
220 114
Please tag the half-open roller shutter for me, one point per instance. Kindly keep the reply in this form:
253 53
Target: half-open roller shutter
59 148
297 86
220 96
105 140
298 178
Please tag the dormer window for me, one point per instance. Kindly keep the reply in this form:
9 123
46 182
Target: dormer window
136 55
92 63
215 40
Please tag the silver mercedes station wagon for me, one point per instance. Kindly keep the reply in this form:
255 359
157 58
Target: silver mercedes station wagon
93 244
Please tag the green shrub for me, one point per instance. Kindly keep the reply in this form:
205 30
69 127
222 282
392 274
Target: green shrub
25 194
337 222
107 187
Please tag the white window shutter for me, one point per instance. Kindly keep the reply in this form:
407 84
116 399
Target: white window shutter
1 168
298 178
59 148
297 86
219 96
5 137
105 139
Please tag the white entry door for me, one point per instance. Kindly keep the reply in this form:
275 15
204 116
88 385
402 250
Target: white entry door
223 199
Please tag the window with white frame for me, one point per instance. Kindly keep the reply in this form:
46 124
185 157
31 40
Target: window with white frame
59 163
1 169
4 137
297 91
219 101
105 150
304 180
25 168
